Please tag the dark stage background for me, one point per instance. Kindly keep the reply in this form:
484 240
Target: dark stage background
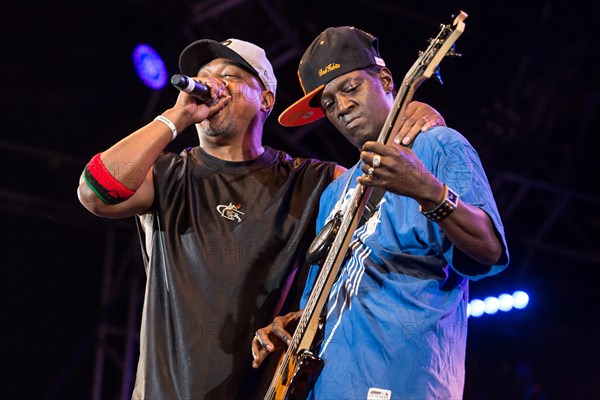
526 93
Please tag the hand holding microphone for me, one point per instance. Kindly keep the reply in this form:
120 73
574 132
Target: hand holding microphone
201 91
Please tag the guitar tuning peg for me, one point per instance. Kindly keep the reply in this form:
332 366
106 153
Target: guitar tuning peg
438 75
453 53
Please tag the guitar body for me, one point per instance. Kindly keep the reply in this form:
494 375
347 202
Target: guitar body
300 373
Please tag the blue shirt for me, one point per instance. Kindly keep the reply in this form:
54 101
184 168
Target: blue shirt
397 315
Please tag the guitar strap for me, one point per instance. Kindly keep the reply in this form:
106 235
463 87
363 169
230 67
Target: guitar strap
376 195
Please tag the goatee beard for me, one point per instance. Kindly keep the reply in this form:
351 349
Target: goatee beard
204 128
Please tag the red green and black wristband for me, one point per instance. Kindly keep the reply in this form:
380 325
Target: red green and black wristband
104 185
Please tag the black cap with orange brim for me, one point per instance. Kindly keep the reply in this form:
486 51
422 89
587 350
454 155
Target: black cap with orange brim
336 51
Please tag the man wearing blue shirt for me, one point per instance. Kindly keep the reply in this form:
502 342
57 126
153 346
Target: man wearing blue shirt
396 318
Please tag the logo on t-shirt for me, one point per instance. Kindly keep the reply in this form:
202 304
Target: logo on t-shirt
231 212
379 394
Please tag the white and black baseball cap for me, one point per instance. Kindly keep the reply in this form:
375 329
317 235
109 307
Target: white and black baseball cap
247 54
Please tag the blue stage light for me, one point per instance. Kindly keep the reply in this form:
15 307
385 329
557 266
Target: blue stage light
506 302
491 304
149 66
521 299
476 309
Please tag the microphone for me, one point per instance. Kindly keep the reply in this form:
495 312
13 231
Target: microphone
195 89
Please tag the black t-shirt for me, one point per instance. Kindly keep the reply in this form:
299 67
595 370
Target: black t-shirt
225 242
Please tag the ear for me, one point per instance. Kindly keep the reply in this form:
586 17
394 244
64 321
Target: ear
385 76
267 101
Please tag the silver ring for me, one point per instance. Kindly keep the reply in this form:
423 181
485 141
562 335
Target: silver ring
370 171
376 160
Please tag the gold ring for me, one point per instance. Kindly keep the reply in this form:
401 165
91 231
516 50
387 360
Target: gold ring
376 160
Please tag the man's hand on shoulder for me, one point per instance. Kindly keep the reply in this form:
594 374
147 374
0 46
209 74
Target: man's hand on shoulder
418 118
